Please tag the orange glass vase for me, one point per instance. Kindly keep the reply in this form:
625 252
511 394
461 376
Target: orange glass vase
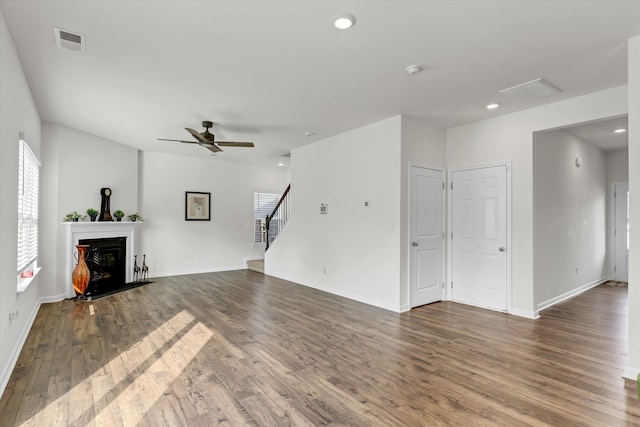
81 274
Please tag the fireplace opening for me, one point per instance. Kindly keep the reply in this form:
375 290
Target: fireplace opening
106 260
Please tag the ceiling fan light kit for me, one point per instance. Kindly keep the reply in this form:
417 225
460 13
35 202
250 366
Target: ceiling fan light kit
207 140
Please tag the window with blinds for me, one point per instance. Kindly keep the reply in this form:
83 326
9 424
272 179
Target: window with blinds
28 179
263 205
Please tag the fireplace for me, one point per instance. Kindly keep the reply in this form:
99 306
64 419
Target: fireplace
124 232
106 259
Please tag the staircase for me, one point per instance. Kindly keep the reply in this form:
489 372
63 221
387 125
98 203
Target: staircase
274 224
279 217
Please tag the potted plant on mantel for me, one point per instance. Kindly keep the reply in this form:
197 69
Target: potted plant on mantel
135 217
73 217
93 214
118 215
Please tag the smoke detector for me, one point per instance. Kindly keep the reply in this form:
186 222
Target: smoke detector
69 40
414 69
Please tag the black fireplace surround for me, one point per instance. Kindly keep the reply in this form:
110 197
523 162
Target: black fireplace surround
106 260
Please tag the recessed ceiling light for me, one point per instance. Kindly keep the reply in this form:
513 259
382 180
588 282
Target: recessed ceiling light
280 164
492 106
342 21
621 130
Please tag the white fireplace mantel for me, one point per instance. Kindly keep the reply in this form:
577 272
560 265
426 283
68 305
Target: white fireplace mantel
77 231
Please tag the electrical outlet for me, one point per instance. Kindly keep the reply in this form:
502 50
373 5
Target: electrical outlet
324 270
576 269
13 315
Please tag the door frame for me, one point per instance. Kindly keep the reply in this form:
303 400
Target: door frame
410 203
449 275
612 229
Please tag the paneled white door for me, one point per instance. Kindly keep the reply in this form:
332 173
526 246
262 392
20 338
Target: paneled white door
427 228
479 237
621 233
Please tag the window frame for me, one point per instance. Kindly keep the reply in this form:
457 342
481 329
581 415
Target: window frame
265 194
27 214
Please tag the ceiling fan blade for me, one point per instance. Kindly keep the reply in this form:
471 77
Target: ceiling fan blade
234 144
197 135
176 140
212 147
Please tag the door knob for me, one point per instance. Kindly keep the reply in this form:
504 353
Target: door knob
414 244
501 249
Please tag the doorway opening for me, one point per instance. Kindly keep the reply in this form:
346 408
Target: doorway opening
574 169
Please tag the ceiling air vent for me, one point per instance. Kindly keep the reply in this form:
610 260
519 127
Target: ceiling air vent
70 41
538 88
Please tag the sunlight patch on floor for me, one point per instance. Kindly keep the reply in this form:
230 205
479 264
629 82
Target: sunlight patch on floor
109 392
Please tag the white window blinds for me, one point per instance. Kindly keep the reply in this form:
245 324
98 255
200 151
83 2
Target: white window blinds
28 179
263 205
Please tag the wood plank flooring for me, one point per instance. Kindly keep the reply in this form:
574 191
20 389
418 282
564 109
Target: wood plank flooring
243 349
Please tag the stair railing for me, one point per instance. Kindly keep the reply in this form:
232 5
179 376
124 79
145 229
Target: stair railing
275 222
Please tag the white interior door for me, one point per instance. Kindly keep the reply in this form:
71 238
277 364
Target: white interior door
621 232
426 232
479 237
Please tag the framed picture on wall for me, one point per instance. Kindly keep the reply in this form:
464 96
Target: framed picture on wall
197 206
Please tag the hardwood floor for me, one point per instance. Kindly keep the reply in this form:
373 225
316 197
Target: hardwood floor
238 348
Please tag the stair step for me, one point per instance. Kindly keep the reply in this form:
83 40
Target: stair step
256 265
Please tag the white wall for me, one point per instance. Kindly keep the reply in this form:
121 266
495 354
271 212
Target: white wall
424 144
570 227
18 113
358 247
76 165
633 364
175 246
510 137
617 166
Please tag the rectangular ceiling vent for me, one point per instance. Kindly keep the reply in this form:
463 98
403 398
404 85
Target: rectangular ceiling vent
69 40
538 88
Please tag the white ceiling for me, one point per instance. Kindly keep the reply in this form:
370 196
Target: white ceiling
601 133
269 71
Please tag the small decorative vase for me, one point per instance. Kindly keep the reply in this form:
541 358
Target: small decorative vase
118 219
81 274
93 218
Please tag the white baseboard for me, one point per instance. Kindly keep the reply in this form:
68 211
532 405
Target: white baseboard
404 308
341 293
524 313
197 271
15 354
356 297
570 294
54 298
